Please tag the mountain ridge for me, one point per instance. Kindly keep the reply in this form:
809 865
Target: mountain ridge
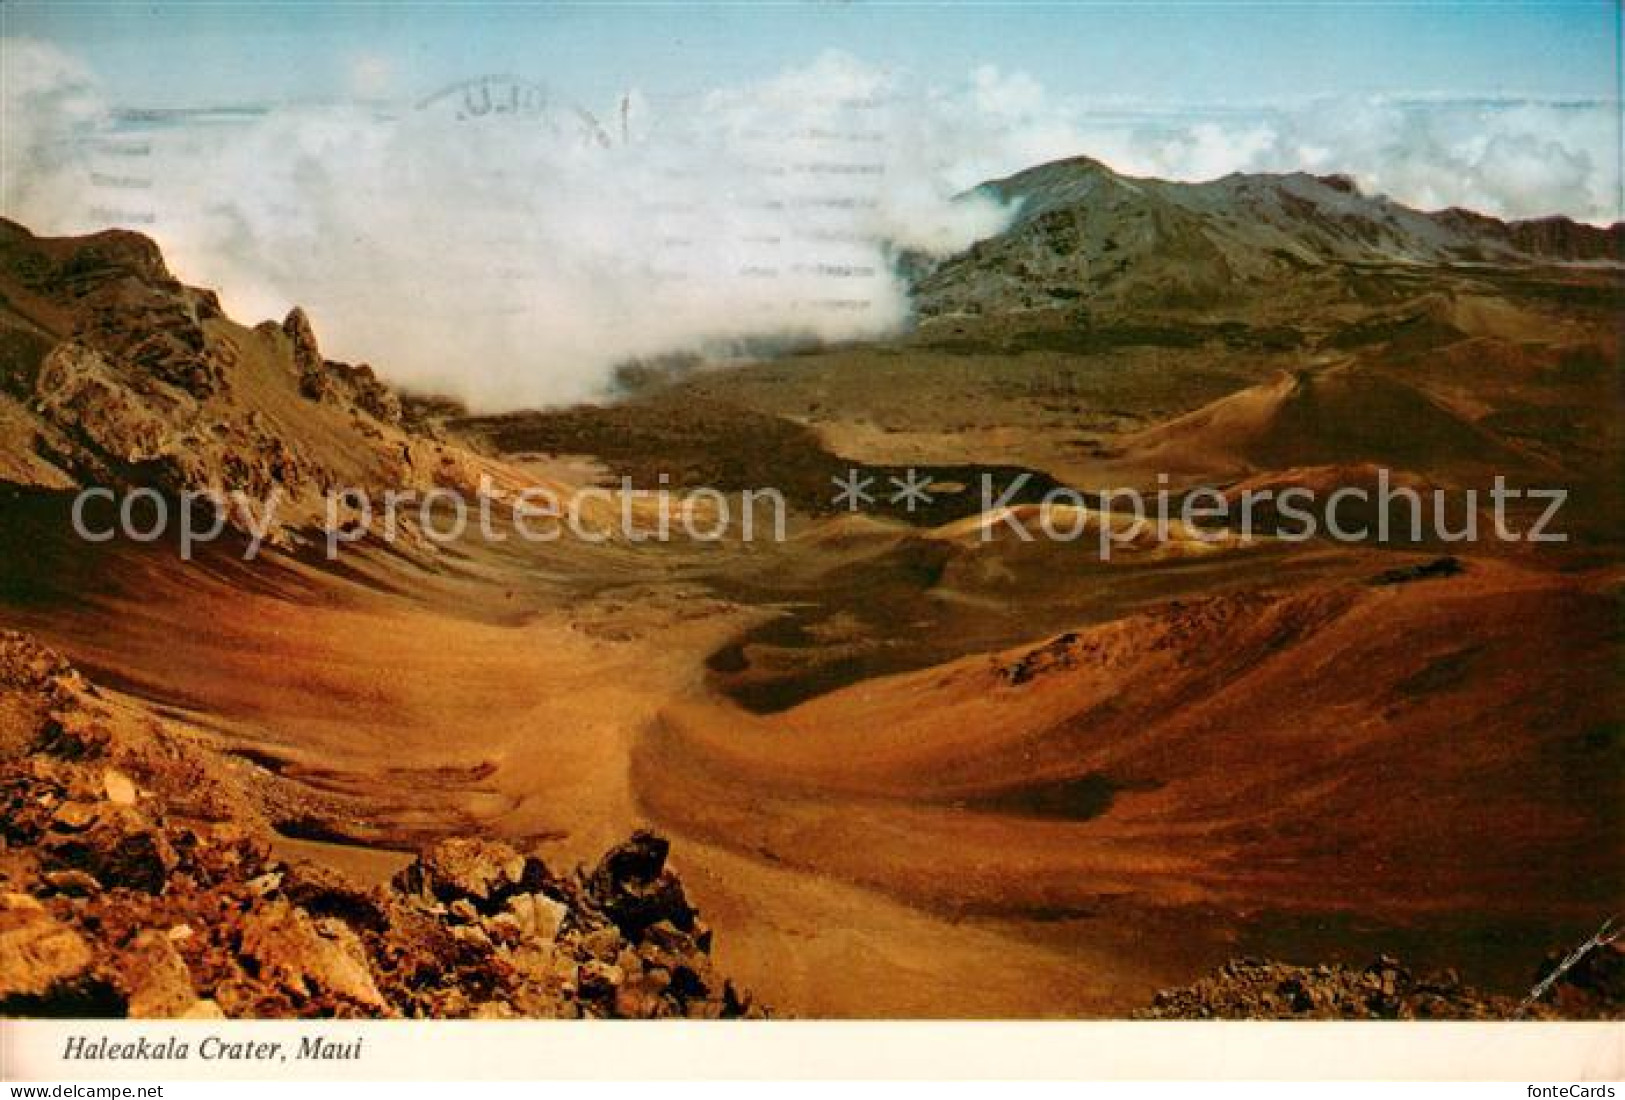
1083 231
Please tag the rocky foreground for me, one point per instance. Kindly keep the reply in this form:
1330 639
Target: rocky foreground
1258 989
128 886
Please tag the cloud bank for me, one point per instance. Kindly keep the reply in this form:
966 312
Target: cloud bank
498 244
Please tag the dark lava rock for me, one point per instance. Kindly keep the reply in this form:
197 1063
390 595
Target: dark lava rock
635 891
1447 566
114 844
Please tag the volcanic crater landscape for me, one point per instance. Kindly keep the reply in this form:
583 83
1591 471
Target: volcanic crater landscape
907 763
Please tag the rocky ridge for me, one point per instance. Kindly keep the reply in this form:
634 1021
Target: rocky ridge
114 373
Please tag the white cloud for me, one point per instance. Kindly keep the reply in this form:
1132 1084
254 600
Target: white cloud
516 259
1509 158
48 101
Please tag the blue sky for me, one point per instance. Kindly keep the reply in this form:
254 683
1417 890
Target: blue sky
211 53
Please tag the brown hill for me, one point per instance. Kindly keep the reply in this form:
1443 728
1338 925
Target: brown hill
1337 416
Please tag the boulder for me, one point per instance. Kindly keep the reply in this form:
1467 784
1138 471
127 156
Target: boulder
323 892
635 891
119 788
154 979
309 959
486 872
115 844
538 916
37 952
